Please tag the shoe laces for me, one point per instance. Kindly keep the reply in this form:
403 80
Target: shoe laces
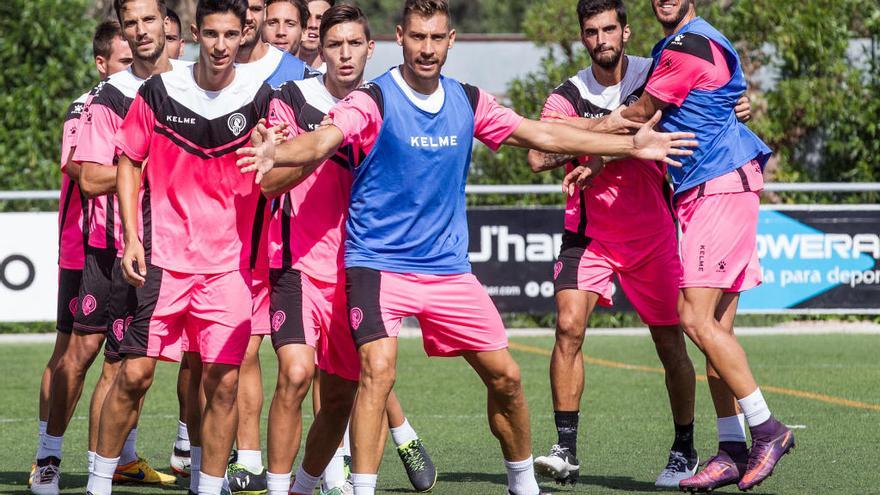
412 456
559 451
47 473
677 463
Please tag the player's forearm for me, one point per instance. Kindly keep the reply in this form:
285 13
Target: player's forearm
309 148
644 109
279 181
128 185
541 162
567 140
96 179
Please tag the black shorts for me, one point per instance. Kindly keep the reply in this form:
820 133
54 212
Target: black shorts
92 315
68 299
122 306
286 308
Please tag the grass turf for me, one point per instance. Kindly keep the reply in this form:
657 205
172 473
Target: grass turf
625 428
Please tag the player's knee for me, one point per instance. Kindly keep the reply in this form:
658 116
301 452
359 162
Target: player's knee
134 380
507 385
378 370
296 377
570 330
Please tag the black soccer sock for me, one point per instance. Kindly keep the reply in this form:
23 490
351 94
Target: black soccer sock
684 439
567 429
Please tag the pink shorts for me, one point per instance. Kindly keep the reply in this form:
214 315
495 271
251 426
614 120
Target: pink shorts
455 313
719 241
213 311
312 312
648 269
260 290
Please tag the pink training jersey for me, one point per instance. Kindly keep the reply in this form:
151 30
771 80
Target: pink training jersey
307 228
359 118
199 211
687 68
102 117
73 207
629 199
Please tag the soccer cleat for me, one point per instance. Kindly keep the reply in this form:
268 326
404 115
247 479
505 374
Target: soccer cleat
140 471
180 462
539 493
559 464
346 489
763 457
244 482
47 476
30 480
720 470
419 467
678 467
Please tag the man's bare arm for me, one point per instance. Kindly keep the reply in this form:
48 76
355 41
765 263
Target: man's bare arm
280 180
644 109
127 188
306 149
96 179
541 162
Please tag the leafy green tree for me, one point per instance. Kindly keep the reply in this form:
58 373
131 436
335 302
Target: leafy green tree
44 46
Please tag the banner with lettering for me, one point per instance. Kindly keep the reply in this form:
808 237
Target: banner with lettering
814 259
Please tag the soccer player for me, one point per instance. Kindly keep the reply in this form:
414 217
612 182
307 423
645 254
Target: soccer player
284 24
621 226
105 303
174 42
309 50
406 234
112 54
308 283
696 83
188 123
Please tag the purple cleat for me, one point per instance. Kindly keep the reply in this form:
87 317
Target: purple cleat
765 454
720 470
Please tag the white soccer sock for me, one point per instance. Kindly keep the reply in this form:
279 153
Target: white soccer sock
755 408
91 457
278 484
304 482
41 432
403 434
210 485
195 468
50 446
182 441
334 474
521 477
101 478
731 429
364 484
129 449
251 459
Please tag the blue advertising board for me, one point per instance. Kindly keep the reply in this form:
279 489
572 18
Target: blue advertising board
815 259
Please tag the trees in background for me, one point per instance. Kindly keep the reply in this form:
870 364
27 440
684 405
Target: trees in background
44 52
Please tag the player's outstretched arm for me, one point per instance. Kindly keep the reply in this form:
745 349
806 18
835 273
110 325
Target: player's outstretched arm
128 184
263 155
280 180
97 179
647 144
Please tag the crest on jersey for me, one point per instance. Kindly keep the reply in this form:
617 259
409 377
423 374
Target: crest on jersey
236 123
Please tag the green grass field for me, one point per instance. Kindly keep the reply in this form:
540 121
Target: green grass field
626 428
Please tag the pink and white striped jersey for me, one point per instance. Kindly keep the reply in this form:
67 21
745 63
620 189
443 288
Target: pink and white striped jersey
73 208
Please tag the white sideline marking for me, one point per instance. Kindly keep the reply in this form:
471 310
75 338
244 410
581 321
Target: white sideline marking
793 328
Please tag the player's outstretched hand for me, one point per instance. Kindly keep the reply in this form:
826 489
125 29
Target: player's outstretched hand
260 156
616 123
662 146
581 177
134 266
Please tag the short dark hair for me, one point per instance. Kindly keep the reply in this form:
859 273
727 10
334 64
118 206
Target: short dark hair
208 7
102 42
118 4
425 8
171 14
331 2
300 6
589 8
341 14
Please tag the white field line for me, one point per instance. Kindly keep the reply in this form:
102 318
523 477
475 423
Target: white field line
794 328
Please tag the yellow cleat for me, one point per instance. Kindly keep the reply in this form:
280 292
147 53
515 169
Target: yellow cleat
140 471
33 473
